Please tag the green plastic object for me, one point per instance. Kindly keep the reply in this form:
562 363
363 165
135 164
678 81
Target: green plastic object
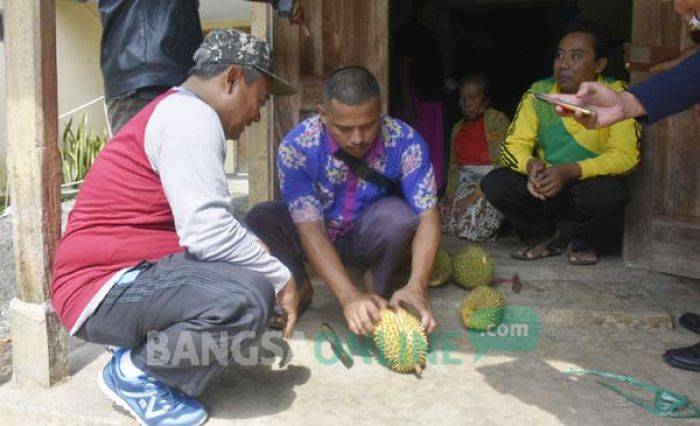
666 403
332 337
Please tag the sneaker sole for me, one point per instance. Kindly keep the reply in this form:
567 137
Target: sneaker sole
121 403
680 365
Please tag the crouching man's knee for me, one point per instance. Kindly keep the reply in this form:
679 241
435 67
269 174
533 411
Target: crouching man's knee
391 224
267 215
600 196
248 310
499 186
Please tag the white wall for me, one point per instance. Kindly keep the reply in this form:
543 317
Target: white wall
229 10
78 33
3 143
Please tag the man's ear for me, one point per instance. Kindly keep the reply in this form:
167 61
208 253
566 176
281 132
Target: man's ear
600 65
321 109
234 76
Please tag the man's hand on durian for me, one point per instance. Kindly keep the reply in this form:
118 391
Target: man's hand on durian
361 312
416 296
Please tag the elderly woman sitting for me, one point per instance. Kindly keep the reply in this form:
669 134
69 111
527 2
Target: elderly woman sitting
474 152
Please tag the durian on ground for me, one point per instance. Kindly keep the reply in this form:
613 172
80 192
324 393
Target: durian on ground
472 267
442 269
400 341
482 309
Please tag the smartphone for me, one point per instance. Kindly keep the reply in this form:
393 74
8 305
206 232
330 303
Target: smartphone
694 23
571 107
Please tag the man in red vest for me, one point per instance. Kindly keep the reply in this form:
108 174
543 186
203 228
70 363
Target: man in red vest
153 261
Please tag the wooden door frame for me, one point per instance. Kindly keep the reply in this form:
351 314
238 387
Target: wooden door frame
646 234
259 135
282 113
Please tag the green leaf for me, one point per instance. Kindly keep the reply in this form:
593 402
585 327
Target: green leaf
79 149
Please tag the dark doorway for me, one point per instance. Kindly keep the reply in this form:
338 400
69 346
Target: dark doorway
512 42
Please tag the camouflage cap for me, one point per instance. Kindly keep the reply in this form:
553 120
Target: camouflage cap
229 46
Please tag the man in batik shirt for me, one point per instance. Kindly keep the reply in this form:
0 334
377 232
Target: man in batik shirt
358 189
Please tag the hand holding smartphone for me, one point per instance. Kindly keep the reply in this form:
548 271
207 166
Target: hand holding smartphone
556 102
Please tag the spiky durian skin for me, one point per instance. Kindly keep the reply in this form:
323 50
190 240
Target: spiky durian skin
401 342
442 269
482 309
472 267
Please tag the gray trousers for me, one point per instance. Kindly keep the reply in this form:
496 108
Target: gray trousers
175 310
381 239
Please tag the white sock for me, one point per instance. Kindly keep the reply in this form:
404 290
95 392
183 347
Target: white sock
127 367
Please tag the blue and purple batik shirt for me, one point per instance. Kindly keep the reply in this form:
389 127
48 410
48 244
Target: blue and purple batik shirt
317 186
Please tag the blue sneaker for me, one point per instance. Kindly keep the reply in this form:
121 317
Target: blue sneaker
149 400
112 349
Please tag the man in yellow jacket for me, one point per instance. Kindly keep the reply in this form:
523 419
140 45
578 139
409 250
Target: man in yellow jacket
555 165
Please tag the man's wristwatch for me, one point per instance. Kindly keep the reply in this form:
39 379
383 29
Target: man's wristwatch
284 7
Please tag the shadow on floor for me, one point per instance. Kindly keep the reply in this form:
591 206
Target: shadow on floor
260 391
533 378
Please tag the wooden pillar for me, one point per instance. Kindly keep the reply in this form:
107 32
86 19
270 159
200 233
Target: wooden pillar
280 113
285 109
258 151
39 348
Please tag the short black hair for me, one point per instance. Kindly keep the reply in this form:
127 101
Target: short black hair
353 85
603 39
480 80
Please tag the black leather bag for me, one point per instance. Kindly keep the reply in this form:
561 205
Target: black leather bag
363 171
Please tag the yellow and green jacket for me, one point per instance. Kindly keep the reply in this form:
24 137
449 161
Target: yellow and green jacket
538 132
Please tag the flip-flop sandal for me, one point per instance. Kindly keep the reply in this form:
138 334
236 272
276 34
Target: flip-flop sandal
545 253
571 257
276 321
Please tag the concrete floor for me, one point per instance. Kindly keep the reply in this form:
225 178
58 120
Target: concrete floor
606 317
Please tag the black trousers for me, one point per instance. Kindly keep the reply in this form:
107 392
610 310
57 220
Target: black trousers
184 320
596 205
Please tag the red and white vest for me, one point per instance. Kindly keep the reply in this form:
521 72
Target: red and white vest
121 217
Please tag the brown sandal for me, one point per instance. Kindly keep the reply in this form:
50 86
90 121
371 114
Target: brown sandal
540 251
585 257
278 320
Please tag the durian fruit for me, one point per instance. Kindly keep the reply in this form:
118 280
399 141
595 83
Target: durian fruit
442 269
482 309
472 267
400 341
